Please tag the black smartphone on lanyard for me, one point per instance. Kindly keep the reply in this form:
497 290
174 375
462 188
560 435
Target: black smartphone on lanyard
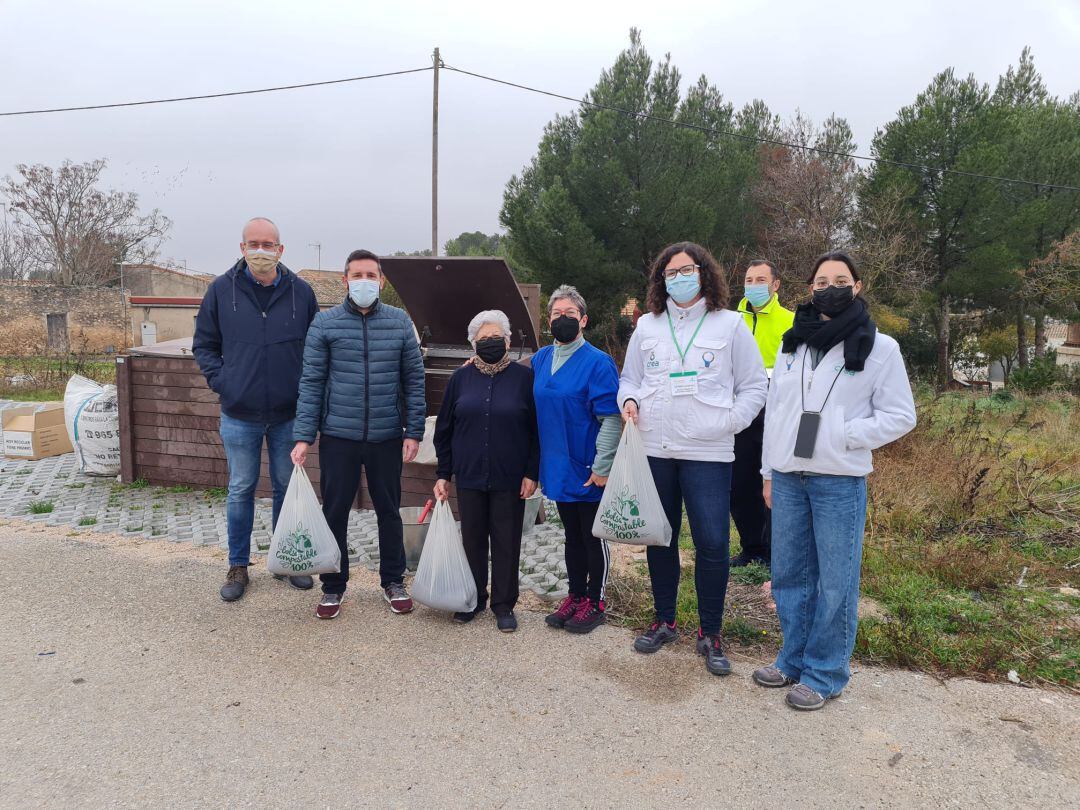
806 438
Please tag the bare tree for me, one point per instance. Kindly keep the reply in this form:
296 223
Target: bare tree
1053 281
78 230
17 252
807 198
894 261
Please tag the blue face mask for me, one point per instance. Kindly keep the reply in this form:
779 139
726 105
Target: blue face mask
683 288
363 292
758 294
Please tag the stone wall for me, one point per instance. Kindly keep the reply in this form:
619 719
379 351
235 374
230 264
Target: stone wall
84 320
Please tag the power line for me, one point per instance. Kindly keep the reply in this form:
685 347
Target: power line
757 139
216 95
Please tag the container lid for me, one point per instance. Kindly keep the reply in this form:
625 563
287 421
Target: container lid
180 347
443 293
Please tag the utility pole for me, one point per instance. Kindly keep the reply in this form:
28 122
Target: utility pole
435 159
318 254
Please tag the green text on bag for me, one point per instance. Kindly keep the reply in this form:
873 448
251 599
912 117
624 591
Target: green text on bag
296 550
622 516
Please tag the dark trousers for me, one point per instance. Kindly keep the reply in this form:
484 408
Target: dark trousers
340 463
703 486
492 519
753 520
587 557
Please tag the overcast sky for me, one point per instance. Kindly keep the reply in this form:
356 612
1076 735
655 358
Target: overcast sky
349 166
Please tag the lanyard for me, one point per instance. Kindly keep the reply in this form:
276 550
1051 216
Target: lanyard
683 352
806 351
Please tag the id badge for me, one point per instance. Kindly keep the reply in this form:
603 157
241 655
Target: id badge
683 383
806 438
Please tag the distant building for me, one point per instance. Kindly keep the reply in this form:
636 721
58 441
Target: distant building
154 304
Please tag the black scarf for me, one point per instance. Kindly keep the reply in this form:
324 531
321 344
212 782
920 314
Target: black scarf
852 326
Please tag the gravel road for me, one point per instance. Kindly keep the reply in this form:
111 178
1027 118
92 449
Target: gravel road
125 681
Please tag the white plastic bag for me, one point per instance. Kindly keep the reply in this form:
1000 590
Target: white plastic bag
443 579
303 542
630 510
93 425
426 454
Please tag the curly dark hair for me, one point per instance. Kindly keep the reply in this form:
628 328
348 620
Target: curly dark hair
713 284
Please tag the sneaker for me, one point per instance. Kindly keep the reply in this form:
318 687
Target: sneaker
566 610
506 622
805 699
397 597
658 634
329 606
588 616
466 616
771 678
711 647
301 583
236 582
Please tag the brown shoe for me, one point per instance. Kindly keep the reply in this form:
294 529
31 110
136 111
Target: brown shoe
236 582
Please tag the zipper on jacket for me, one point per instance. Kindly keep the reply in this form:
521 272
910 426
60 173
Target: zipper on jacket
266 374
367 386
754 330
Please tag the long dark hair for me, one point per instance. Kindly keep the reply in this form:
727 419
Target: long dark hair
713 284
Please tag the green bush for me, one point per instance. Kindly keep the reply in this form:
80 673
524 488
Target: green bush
1039 377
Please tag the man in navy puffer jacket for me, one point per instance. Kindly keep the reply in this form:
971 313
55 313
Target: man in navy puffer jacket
362 392
249 343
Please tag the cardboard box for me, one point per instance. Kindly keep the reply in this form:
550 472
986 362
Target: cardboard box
35 431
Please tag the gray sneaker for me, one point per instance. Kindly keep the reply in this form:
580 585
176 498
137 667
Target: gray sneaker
805 699
771 678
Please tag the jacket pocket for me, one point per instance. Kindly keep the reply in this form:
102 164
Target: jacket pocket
709 416
238 381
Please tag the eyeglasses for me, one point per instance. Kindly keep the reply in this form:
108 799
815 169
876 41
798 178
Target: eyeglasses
687 270
261 245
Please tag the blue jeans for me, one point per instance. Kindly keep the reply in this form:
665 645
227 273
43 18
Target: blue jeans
704 487
817 533
243 448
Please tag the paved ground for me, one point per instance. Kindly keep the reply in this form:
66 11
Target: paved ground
88 504
124 680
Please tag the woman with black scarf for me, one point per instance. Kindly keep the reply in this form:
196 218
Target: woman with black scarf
839 390
486 441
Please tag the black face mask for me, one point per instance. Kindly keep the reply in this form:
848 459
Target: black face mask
832 300
491 350
565 329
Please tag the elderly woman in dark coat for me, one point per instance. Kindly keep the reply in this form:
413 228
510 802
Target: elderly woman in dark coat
486 441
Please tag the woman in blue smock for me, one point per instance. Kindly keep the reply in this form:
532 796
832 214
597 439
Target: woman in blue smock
574 385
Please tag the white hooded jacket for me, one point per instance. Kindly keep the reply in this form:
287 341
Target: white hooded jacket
866 409
731 382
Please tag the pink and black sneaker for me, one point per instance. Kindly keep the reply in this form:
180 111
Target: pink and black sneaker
587 617
565 612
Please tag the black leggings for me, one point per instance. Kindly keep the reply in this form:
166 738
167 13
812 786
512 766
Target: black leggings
587 557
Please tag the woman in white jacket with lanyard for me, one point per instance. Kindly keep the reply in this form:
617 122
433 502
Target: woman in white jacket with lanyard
839 390
692 379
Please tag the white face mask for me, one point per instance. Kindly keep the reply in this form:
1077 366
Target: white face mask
363 292
261 261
